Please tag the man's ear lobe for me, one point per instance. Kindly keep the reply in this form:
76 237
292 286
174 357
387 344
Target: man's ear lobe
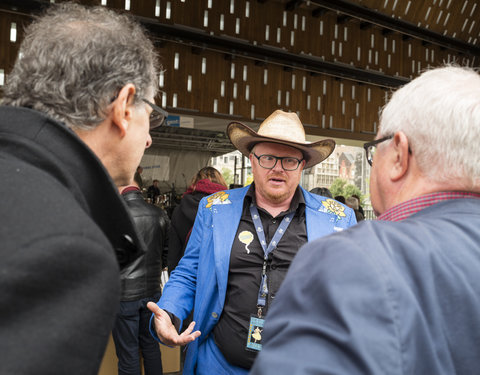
400 157
122 108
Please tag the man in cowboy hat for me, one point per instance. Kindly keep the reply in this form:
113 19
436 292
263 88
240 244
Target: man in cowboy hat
397 295
241 246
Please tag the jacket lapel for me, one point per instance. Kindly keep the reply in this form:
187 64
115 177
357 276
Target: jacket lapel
225 219
317 225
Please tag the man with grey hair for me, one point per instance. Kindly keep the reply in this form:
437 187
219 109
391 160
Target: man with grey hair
74 123
398 295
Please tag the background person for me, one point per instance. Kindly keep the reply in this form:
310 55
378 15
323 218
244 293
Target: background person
221 275
153 191
323 191
73 124
340 198
360 208
352 202
398 294
140 284
138 177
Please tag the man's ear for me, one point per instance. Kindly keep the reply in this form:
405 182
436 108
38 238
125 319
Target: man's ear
302 164
399 156
122 108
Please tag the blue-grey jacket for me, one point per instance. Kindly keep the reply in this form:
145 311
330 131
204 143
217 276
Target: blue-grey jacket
200 279
386 298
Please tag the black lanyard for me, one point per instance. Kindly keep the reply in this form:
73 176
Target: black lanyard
282 228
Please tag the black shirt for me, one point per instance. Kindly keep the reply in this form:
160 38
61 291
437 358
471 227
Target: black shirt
245 275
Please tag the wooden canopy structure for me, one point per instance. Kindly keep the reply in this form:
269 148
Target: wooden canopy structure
333 62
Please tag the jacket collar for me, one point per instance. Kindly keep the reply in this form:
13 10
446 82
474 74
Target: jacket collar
49 144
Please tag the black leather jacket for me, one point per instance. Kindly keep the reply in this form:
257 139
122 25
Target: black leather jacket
141 278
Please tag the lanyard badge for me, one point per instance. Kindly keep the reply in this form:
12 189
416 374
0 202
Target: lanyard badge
256 321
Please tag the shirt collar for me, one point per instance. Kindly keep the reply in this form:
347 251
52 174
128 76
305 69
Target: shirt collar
406 209
130 188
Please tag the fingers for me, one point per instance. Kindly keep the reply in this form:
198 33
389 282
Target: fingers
188 336
184 340
189 328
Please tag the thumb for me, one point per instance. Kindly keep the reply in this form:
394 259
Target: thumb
153 307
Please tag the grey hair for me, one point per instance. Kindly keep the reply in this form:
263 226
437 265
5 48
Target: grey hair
352 202
75 59
439 112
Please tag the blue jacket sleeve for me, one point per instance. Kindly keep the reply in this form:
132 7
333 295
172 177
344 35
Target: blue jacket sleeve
179 292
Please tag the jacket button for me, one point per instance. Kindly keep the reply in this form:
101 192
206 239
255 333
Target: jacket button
214 315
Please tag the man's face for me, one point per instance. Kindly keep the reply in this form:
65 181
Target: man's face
276 185
136 140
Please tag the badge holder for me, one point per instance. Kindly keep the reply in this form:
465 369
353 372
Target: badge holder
255 329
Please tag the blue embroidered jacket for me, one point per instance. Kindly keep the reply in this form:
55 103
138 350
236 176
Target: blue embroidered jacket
200 279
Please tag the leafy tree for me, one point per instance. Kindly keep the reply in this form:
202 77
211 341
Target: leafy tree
227 175
337 186
342 187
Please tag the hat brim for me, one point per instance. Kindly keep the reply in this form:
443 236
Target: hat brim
244 138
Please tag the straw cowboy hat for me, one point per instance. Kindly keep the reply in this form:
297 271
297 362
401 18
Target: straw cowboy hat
284 128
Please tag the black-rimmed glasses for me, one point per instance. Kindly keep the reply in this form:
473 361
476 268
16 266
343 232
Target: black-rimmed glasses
289 163
371 147
158 115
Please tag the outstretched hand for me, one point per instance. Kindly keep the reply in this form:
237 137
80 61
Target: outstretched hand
166 331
